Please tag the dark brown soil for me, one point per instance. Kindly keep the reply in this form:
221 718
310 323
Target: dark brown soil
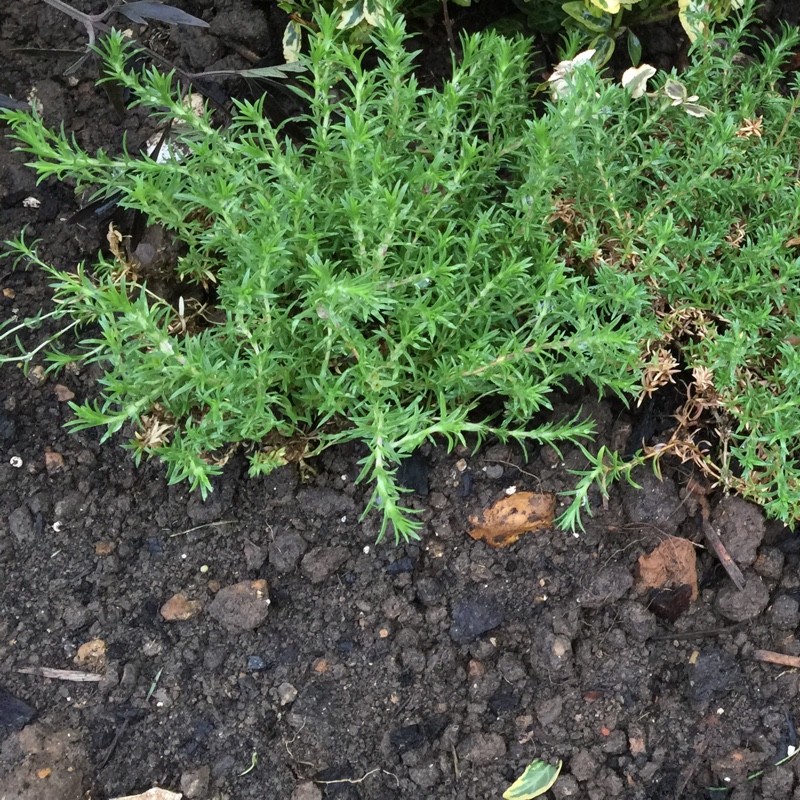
365 679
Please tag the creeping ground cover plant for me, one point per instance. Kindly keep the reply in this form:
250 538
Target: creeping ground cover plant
421 251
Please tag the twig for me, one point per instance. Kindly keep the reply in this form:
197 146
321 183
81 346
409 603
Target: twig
62 674
771 657
200 527
448 26
712 537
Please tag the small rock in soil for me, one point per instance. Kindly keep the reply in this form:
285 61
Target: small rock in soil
656 504
307 791
739 606
741 527
713 671
409 737
20 523
254 556
482 748
785 613
91 655
286 550
194 783
608 585
179 608
637 621
243 605
321 562
286 693
413 473
400 566
15 714
256 663
473 617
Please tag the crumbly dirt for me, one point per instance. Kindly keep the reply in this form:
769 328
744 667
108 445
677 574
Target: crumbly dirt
437 669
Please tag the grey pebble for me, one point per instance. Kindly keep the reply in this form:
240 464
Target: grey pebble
475 616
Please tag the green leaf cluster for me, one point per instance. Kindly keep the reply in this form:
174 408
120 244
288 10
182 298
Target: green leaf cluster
423 256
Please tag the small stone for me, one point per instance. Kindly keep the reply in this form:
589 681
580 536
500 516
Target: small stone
482 748
14 713
254 556
103 548
286 693
91 655
306 791
493 471
321 562
194 782
53 462
63 394
243 605
179 608
739 606
20 523
438 501
474 617
256 663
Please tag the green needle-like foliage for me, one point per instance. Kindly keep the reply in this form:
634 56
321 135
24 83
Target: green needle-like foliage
423 250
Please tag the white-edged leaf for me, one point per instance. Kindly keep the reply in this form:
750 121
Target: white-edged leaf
687 13
374 13
292 41
694 110
675 90
538 777
609 6
352 14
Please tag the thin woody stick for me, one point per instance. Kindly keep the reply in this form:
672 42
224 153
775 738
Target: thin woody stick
62 674
771 657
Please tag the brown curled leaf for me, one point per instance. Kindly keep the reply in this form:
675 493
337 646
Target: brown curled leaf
510 517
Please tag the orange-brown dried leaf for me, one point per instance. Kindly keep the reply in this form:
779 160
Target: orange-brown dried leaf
672 564
510 517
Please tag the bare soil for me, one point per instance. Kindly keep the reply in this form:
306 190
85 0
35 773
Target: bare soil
437 669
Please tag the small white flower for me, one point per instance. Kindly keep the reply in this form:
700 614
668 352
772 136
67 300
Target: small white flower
634 79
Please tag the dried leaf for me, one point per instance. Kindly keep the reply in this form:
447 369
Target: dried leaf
510 517
671 565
